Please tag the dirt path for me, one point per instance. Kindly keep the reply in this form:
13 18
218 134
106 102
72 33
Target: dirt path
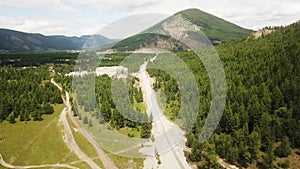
70 141
106 161
55 84
68 135
226 165
3 163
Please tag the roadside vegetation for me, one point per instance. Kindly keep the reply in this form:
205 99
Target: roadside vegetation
85 145
125 162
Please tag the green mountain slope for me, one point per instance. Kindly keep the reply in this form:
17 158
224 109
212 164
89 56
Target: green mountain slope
261 120
15 41
215 28
185 24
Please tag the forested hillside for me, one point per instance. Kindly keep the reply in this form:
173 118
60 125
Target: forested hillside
261 120
15 41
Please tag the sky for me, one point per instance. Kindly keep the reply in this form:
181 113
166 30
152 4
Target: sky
83 17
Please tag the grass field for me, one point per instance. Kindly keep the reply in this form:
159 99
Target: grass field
35 142
112 140
85 145
125 162
141 107
130 131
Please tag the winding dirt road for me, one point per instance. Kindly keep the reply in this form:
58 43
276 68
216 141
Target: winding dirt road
107 163
68 135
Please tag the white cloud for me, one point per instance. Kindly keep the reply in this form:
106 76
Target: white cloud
131 25
250 14
51 26
44 4
90 15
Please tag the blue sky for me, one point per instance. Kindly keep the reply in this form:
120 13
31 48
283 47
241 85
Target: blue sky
79 17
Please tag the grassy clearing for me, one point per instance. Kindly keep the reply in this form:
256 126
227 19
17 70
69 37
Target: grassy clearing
126 162
132 132
109 138
84 144
81 164
112 140
293 160
169 109
35 142
141 107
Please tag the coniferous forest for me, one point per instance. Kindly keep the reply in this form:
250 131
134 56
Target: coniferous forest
261 120
26 93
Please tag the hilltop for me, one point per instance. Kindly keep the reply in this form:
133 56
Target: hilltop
186 24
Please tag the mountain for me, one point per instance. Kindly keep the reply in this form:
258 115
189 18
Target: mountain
15 41
187 24
260 123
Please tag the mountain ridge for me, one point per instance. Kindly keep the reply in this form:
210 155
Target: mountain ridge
17 41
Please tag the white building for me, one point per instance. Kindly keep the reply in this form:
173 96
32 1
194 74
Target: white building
118 71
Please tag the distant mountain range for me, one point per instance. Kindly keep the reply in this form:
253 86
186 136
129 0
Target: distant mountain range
190 22
15 41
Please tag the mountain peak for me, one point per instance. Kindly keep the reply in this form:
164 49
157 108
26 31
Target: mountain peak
184 25
215 28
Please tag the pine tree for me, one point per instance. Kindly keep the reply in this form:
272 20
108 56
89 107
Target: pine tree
85 120
22 116
209 157
254 144
269 155
284 148
90 123
146 130
11 119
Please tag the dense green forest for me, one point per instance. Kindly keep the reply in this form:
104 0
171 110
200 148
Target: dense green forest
261 120
26 93
36 59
